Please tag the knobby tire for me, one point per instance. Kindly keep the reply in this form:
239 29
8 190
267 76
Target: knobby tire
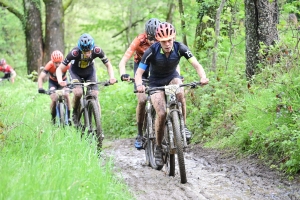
179 145
169 158
95 128
82 117
62 114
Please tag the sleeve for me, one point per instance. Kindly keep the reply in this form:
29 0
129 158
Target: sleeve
185 51
132 48
98 52
73 54
145 61
47 67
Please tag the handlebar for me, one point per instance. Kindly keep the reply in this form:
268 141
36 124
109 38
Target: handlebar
172 87
86 84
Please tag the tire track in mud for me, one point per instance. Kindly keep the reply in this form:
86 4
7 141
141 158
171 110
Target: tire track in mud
211 174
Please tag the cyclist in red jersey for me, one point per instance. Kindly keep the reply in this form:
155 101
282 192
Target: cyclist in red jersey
82 67
164 56
50 68
137 47
9 72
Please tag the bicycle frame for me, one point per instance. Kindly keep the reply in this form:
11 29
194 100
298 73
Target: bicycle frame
174 136
172 105
89 112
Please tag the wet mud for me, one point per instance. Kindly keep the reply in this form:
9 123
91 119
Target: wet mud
211 174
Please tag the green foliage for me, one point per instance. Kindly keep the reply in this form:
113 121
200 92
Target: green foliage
40 161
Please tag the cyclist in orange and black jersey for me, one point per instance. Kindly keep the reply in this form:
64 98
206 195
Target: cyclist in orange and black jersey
82 67
50 68
138 46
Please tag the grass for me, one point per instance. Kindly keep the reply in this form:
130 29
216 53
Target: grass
40 161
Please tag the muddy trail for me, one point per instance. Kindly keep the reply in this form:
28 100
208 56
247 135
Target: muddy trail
211 174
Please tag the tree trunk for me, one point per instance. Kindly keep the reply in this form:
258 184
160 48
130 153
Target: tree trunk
54 38
33 32
204 10
252 37
260 22
170 12
184 40
217 34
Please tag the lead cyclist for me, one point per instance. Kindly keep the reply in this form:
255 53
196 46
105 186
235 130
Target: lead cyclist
164 56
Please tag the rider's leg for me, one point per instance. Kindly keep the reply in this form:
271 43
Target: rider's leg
13 74
53 107
159 105
140 115
77 93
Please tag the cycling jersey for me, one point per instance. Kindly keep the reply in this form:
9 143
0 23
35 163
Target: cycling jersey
163 69
50 69
137 46
84 66
6 69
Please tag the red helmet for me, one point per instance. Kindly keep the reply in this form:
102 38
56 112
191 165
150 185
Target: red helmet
2 62
57 56
165 31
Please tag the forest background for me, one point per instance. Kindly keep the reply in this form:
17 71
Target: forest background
255 113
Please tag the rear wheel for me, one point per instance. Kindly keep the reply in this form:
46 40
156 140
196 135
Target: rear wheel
179 145
95 128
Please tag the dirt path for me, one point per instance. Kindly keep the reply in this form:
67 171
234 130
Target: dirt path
211 174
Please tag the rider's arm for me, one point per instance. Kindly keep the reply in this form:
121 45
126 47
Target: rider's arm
41 78
59 72
200 71
128 54
110 71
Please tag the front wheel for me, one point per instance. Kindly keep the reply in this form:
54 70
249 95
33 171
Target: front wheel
81 121
169 158
62 114
95 128
179 145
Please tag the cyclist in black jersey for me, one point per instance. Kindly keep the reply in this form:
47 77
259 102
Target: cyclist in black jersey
82 66
164 56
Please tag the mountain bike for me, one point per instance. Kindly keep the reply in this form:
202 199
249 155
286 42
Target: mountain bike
149 139
174 140
89 114
61 107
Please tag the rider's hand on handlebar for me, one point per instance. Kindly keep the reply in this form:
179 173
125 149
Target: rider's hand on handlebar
41 90
112 81
63 83
140 88
125 77
204 81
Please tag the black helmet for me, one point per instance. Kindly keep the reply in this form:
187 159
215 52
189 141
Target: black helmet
150 28
86 42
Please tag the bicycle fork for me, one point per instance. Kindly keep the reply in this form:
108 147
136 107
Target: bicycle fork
182 124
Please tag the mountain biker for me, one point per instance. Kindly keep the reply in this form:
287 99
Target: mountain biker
82 66
137 47
50 68
163 57
9 72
